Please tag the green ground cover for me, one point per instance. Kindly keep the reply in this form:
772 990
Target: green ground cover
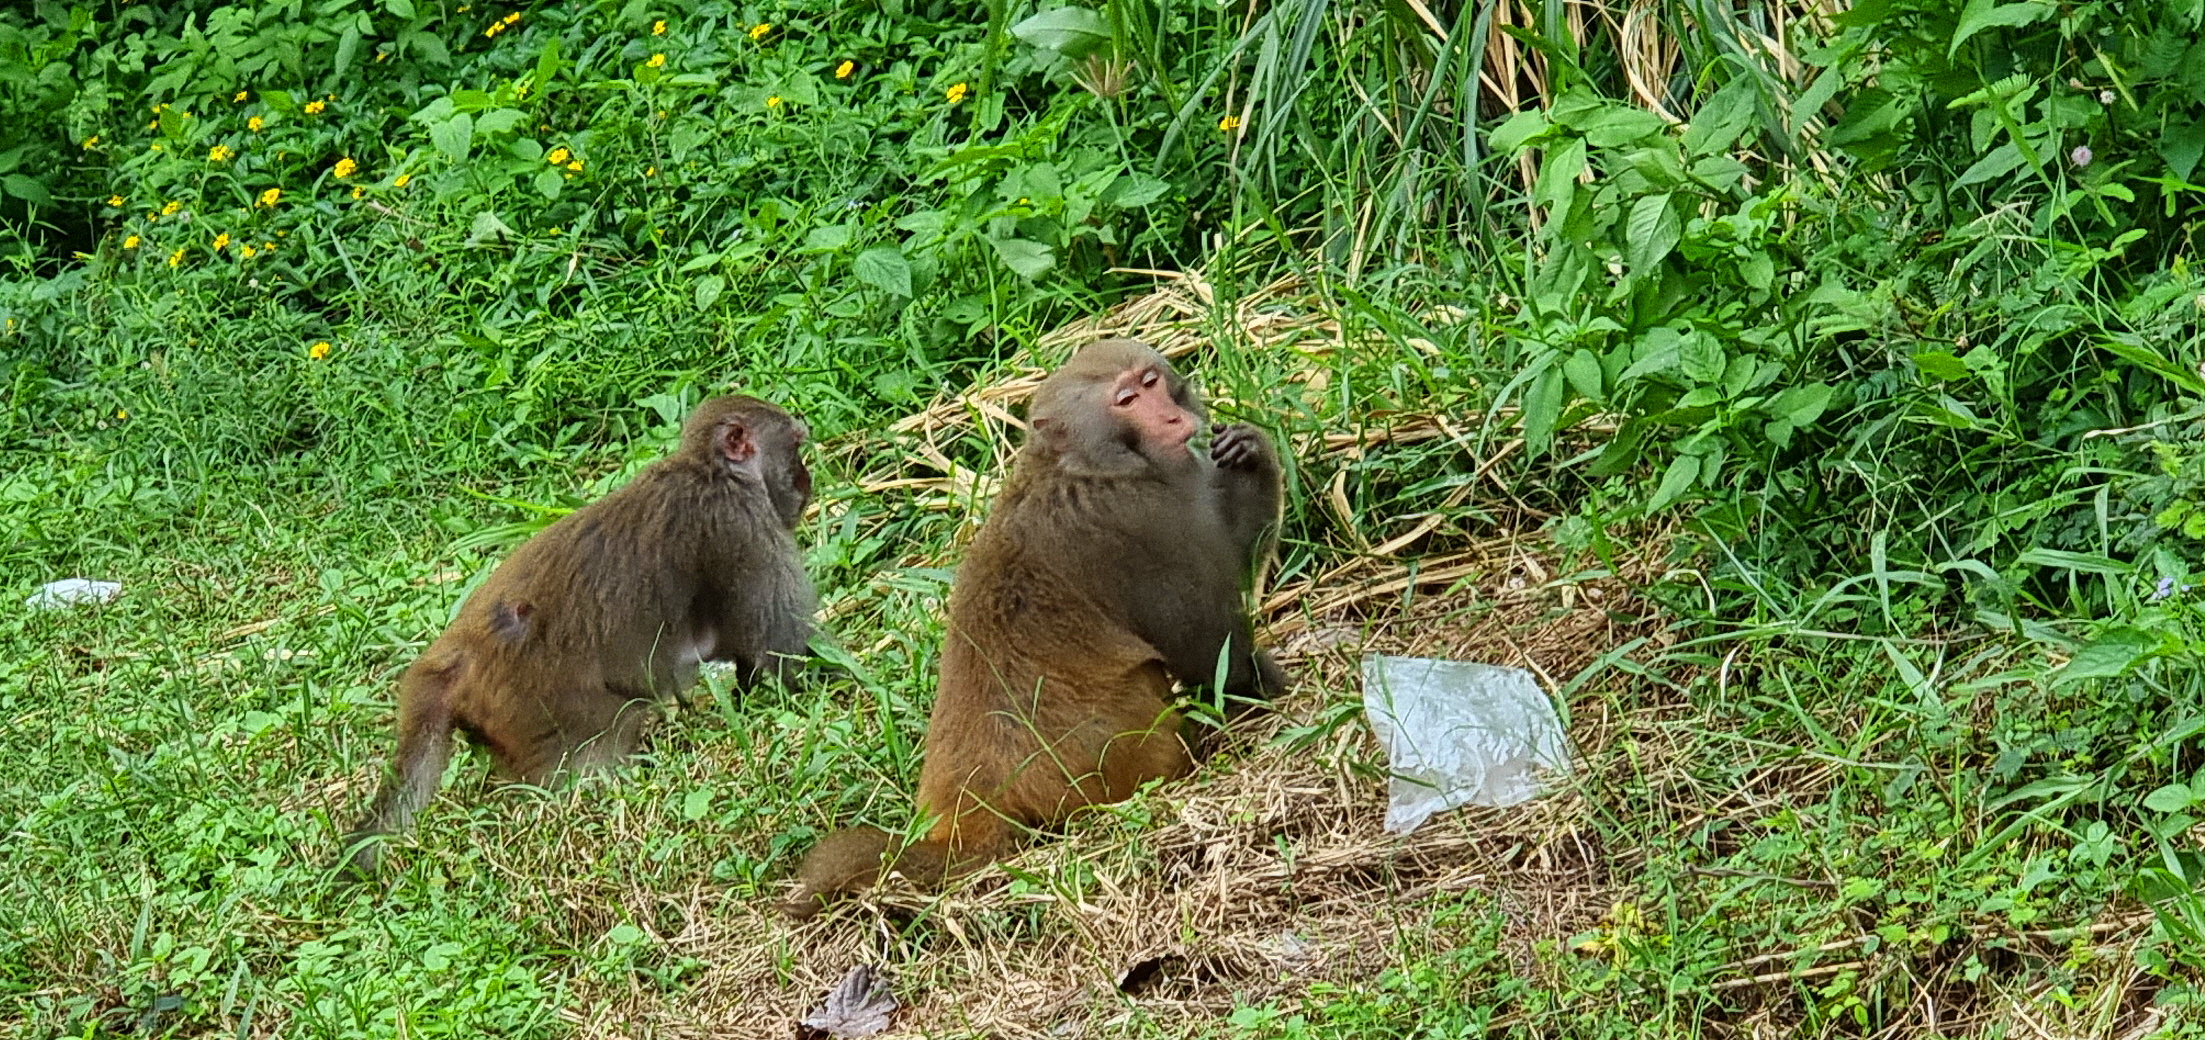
1813 393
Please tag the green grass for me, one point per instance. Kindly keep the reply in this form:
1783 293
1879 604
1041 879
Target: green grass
1836 455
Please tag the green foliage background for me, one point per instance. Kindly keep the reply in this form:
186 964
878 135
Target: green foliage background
1893 312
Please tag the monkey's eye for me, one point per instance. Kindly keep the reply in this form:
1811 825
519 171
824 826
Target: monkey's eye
1125 396
1148 378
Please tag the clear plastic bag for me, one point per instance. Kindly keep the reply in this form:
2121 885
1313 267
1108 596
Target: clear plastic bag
1459 733
69 592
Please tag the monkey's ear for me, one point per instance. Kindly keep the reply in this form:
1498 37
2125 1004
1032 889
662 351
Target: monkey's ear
736 443
1050 431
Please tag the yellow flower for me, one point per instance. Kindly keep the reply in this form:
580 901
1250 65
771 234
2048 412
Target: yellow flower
558 156
314 108
247 251
176 258
403 180
114 200
651 172
171 208
255 123
1228 124
91 142
358 191
658 28
957 92
122 413
319 351
658 61
345 167
576 166
131 242
843 70
219 153
774 101
241 95
511 18
221 241
267 247
268 198
759 31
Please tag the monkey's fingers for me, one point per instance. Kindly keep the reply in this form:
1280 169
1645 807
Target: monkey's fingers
1236 447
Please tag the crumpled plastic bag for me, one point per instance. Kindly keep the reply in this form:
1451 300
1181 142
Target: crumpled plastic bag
1459 733
69 592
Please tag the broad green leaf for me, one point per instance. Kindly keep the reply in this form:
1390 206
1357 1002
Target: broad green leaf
1030 259
487 227
1074 32
1616 125
2112 653
1683 472
1701 358
348 49
1722 118
708 290
884 268
401 8
1653 230
1583 370
1998 162
2181 144
1134 190
696 804
1801 405
1940 364
547 66
1506 138
454 136
26 188
498 121
2172 798
827 239
549 182
1558 173
624 935
1979 15
1542 410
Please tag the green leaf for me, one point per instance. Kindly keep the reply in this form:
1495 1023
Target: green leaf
884 268
401 8
1583 370
1616 125
1701 358
1542 410
696 804
1941 365
1134 190
1723 118
1030 259
2172 798
487 227
348 49
1074 32
547 66
2111 654
2080 563
454 136
2181 144
1801 405
1654 230
624 935
827 238
1511 135
498 121
549 182
26 188
1998 162
1558 173
1984 14
1683 472
708 290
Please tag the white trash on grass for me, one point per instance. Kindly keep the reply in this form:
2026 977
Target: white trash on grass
1459 733
69 592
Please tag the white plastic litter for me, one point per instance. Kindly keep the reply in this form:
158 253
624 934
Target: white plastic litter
69 592
1459 733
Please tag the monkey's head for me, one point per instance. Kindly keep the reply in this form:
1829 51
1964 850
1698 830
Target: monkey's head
1115 409
753 442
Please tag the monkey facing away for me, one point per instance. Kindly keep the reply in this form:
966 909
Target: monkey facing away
553 660
1114 563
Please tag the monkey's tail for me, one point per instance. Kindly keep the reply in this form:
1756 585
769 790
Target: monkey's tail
856 858
424 749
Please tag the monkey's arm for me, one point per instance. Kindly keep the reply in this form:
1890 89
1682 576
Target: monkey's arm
1250 491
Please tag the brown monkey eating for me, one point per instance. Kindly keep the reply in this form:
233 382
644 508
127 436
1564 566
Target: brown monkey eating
553 662
1114 563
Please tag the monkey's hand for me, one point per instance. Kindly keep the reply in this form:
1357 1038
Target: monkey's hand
1241 446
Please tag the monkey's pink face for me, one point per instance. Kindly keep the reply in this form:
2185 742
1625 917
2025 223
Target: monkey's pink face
1141 398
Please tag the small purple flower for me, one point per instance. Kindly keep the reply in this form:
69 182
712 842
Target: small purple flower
2081 156
2165 589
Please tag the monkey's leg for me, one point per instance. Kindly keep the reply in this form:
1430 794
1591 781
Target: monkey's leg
424 749
617 737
